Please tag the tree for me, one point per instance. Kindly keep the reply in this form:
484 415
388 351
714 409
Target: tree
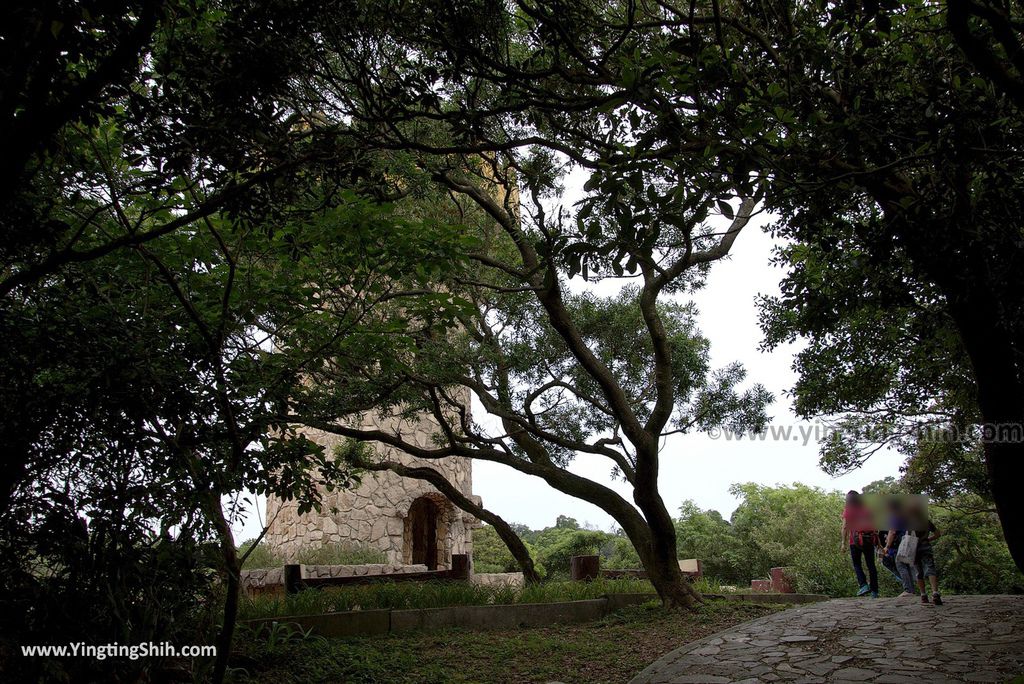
971 554
900 377
889 130
989 36
65 63
155 394
562 373
796 526
158 225
709 537
564 522
473 103
215 139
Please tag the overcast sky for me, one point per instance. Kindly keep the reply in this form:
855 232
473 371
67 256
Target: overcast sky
693 466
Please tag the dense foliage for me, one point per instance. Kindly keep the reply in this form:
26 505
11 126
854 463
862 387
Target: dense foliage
154 243
553 547
793 526
224 218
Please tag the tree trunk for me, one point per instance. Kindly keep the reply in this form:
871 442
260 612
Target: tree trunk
983 296
658 555
516 548
673 588
1001 404
232 585
227 630
661 563
231 569
515 545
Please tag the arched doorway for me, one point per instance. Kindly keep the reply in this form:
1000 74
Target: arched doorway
423 527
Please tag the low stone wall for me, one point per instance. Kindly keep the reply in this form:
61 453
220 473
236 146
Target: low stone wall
498 579
364 622
482 618
268 578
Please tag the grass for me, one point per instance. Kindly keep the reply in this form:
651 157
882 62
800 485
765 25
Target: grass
709 585
610 650
328 554
429 595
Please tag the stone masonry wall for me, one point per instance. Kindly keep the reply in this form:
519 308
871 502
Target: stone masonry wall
375 513
272 577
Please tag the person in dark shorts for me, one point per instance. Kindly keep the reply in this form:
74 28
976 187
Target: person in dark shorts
924 561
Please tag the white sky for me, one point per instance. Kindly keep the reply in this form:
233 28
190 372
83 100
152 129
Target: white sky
692 466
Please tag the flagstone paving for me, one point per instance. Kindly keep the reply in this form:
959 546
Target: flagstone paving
888 641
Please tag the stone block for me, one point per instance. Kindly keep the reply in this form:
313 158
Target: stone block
782 580
690 565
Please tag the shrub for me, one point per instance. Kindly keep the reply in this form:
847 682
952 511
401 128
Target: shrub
490 554
328 554
578 543
261 556
340 554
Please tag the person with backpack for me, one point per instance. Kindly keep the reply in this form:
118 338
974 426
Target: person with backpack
924 563
897 530
860 536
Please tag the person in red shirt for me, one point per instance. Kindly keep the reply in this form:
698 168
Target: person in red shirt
860 535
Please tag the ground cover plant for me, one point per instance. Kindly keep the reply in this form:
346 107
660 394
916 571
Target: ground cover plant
591 652
431 595
328 554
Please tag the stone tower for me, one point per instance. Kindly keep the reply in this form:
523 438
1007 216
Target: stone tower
407 519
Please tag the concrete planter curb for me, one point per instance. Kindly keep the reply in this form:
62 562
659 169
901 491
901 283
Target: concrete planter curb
767 597
511 616
479 618
482 618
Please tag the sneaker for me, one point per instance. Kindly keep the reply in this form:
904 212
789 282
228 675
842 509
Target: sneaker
863 590
874 594
936 599
924 598
906 594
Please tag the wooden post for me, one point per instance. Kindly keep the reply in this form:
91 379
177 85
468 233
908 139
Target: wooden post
585 568
292 579
460 566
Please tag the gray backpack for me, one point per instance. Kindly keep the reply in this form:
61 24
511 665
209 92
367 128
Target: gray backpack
907 551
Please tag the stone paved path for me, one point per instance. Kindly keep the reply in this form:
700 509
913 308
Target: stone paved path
969 639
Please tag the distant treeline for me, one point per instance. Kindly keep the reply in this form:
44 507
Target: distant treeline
795 525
